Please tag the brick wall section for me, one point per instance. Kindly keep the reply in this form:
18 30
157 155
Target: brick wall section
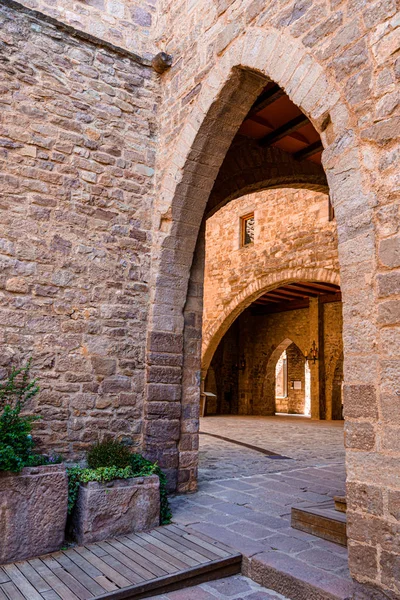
76 163
126 23
292 231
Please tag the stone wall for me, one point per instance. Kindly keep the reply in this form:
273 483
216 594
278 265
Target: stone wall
292 231
243 366
77 148
338 61
128 24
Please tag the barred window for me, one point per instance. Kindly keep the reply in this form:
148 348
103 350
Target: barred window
247 229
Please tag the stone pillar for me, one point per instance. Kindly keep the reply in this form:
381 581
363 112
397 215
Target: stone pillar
316 316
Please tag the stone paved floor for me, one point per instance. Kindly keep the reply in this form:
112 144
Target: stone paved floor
244 497
230 588
308 442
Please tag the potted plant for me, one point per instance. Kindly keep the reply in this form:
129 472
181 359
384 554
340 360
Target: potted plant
118 493
33 487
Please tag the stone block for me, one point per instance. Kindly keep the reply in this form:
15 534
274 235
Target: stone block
363 497
363 561
359 435
115 508
33 512
360 401
389 252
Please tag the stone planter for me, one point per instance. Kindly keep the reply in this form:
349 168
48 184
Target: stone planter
33 512
119 507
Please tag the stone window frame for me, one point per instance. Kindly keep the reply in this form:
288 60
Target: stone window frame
243 221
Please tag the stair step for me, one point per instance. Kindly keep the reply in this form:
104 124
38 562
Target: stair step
321 520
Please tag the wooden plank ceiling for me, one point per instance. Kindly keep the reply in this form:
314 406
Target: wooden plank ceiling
295 295
274 120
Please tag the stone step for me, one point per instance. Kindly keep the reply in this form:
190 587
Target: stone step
297 580
321 520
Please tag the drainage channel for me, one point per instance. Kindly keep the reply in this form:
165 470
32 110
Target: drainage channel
268 453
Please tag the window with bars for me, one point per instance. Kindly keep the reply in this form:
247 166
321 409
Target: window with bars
247 229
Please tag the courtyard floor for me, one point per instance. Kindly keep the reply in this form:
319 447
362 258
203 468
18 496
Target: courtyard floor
245 496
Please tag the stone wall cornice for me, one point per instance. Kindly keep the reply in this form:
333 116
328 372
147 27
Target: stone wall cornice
77 33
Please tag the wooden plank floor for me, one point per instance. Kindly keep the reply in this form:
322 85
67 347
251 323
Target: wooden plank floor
128 567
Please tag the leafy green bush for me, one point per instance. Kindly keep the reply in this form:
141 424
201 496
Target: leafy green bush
15 430
108 453
38 460
138 466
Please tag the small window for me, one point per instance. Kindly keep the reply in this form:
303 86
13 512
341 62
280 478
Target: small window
247 229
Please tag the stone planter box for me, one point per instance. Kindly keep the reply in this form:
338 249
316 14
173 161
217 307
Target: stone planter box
119 507
33 512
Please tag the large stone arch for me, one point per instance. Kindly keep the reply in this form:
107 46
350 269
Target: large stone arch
214 334
257 169
231 87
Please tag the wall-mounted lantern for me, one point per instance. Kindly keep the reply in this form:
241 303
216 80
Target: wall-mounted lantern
313 354
241 365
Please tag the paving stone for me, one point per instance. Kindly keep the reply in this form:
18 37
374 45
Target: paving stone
251 530
193 593
254 528
231 586
323 559
287 543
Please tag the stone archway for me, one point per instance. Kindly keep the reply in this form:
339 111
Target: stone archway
227 94
218 328
269 387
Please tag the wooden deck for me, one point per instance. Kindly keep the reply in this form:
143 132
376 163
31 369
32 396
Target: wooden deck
131 566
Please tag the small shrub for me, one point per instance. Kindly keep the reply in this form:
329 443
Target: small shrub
16 442
138 467
38 460
108 453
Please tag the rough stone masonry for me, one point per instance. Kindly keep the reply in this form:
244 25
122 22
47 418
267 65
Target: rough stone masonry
105 173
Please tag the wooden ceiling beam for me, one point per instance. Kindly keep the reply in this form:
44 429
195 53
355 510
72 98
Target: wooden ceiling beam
261 121
327 298
283 292
264 300
283 131
265 99
312 289
281 307
309 151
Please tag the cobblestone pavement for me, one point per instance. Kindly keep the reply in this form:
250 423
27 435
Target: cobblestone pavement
245 498
306 442
230 588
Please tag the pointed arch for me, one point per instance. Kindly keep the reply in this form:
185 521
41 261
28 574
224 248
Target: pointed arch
227 93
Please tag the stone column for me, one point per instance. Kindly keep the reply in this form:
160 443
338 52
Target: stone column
316 316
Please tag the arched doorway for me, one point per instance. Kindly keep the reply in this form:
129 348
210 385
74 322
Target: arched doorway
242 370
222 105
288 373
224 98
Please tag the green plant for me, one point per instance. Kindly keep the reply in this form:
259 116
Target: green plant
138 467
15 430
74 479
38 460
108 453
